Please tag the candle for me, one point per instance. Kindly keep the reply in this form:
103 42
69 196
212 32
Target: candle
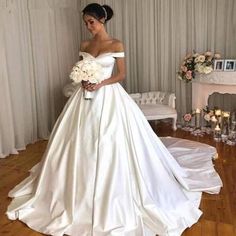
217 128
198 119
213 123
213 119
218 112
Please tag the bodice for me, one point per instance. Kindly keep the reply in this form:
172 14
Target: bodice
106 60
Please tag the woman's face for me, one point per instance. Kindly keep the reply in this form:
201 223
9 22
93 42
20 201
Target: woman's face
92 24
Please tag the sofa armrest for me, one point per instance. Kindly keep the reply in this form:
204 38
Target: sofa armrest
171 100
136 97
157 105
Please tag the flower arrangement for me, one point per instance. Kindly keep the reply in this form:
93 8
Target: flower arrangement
208 114
192 63
87 70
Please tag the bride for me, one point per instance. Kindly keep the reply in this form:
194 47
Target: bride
105 172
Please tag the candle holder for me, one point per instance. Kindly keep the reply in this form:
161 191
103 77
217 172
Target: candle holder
232 137
232 134
218 115
233 120
225 126
198 119
225 132
217 133
213 123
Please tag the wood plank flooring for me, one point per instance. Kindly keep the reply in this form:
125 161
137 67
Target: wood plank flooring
219 211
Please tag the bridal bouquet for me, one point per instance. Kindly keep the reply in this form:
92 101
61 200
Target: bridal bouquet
193 63
87 70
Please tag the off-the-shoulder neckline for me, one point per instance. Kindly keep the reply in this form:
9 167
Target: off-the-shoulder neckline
103 53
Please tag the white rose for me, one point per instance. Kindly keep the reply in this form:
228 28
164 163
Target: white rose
196 60
199 68
207 117
207 69
201 58
87 70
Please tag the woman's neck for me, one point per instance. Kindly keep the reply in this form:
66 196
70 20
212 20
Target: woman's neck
101 36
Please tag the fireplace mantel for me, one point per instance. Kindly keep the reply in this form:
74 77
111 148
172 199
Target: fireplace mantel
206 84
217 77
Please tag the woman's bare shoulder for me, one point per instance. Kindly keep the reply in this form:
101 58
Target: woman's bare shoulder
117 45
84 44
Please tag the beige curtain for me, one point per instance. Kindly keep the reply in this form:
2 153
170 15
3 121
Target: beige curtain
39 42
38 46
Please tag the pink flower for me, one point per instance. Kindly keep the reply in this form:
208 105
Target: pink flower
184 68
189 74
187 117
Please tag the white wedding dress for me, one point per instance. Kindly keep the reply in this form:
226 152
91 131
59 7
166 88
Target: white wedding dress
106 173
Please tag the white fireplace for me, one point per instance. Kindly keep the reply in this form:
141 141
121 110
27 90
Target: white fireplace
205 84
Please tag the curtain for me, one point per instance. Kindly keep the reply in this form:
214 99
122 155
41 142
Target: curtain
39 42
38 46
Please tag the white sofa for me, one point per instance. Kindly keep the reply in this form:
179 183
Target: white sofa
157 105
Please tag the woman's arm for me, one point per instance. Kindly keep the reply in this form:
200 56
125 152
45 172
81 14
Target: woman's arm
120 75
83 45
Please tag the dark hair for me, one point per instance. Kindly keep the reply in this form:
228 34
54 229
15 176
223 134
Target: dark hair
98 11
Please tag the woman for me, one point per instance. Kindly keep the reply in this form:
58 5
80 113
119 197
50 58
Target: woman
105 172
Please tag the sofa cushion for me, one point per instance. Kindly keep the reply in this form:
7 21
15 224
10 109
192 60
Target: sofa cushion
156 109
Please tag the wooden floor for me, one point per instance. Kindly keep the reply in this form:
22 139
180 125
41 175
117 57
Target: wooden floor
219 211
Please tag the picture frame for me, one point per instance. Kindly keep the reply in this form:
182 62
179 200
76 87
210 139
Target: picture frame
219 65
229 65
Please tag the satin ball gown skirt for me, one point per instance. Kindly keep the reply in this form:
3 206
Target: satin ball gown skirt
106 173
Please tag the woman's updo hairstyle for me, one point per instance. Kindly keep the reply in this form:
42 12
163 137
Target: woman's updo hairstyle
98 11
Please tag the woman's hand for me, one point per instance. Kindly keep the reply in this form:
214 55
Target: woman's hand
95 87
85 84
90 86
